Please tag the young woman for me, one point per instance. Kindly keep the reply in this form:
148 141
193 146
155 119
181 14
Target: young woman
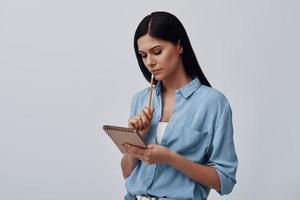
189 131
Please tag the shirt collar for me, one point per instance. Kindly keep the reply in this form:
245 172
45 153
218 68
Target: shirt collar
185 90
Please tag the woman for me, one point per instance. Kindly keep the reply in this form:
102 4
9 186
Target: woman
189 130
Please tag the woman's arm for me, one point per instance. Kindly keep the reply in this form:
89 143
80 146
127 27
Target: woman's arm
142 123
128 164
205 175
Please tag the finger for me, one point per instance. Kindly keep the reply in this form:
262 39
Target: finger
151 146
143 158
145 120
151 110
131 122
125 148
148 113
132 154
136 122
133 149
140 123
130 151
136 150
139 153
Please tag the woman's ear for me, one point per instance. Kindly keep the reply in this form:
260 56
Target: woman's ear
179 47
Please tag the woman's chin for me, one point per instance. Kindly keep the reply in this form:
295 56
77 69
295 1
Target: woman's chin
158 77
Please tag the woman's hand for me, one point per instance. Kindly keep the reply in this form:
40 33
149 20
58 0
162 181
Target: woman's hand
142 121
152 155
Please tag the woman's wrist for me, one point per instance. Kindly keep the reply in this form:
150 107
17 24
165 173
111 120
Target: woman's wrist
170 157
130 158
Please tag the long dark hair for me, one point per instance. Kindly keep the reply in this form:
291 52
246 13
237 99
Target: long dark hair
165 26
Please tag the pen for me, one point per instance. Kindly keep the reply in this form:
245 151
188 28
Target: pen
151 88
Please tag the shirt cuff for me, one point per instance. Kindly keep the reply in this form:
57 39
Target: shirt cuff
225 182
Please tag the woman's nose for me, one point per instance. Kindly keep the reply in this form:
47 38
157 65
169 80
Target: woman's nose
150 62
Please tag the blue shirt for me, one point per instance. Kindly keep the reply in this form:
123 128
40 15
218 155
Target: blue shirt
200 129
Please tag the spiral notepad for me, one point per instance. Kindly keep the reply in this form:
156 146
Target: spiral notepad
122 135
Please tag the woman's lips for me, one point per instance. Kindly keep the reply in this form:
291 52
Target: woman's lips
156 71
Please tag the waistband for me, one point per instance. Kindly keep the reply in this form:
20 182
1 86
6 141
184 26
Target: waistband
146 197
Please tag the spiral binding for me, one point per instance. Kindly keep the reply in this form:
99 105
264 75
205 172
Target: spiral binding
118 128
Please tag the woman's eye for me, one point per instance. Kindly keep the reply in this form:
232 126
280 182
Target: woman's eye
157 52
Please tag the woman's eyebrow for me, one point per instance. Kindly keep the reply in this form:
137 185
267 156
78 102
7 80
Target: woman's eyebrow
150 48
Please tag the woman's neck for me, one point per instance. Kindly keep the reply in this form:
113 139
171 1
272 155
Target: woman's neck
175 81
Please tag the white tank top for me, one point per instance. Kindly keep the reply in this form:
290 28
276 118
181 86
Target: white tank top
160 131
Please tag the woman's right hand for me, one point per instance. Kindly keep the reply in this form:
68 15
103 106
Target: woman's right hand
142 121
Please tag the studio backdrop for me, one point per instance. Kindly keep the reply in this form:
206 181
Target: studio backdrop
68 67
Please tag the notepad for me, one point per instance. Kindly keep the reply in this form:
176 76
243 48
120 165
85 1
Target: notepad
122 135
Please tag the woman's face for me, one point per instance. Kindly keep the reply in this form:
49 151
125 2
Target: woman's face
162 58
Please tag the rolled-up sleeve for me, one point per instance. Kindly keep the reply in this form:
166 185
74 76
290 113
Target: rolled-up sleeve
222 154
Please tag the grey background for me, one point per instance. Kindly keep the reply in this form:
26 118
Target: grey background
68 67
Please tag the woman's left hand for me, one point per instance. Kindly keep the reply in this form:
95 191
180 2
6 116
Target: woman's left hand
152 155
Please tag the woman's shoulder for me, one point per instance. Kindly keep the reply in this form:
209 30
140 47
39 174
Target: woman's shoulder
212 96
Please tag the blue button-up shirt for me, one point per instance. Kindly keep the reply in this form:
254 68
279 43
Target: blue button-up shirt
200 129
